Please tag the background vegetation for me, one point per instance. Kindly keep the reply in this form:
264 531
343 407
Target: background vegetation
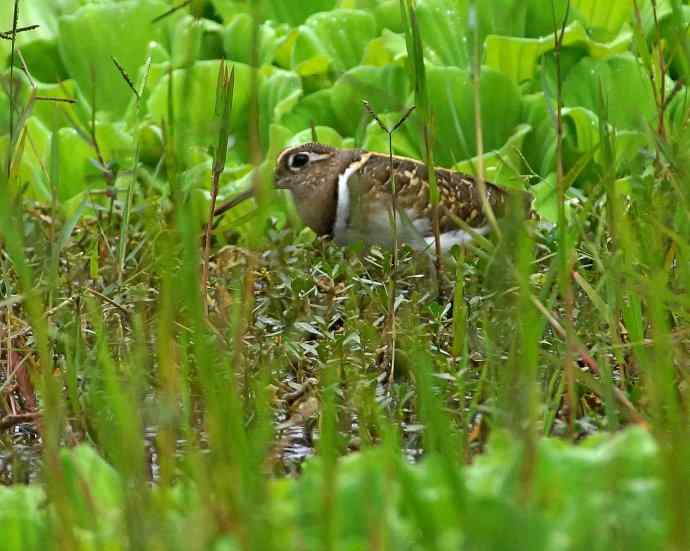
157 396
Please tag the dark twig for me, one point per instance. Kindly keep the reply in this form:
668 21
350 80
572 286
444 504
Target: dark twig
10 421
126 77
7 35
566 286
109 301
13 38
56 99
232 203
394 220
171 11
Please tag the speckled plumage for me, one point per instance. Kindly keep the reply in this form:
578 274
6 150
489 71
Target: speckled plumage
347 193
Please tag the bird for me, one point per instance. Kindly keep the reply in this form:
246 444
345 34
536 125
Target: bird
347 194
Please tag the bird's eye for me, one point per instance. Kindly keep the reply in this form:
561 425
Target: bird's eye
299 160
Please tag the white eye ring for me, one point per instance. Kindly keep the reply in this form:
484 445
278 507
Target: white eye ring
297 161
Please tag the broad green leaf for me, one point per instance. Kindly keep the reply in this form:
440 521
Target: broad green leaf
196 39
279 94
32 167
674 30
625 85
584 128
44 13
453 29
539 147
39 47
93 487
503 167
326 135
333 40
53 114
664 11
242 218
455 133
454 125
76 171
43 58
228 9
443 26
197 182
56 114
115 142
610 15
629 108
278 136
22 520
375 139
387 13
295 12
385 88
385 50
197 109
106 30
546 199
519 57
315 108
238 37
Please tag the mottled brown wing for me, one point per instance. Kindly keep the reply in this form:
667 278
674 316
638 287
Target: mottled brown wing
460 193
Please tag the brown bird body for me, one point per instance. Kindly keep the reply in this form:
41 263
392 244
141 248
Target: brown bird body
347 193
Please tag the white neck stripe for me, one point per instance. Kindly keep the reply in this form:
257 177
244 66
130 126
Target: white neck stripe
342 212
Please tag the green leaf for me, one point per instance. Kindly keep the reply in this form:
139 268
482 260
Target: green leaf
387 13
196 39
197 109
385 88
75 169
518 57
610 15
385 50
32 167
453 124
295 12
238 37
628 95
21 517
332 40
451 28
228 9
444 32
100 29
279 94
326 135
316 108
56 114
503 167
546 199
93 487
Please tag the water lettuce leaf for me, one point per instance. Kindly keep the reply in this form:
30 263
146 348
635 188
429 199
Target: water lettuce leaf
99 29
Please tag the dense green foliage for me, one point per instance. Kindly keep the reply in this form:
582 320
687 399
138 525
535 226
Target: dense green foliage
135 370
372 503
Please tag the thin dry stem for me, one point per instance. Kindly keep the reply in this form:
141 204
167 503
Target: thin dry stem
394 223
566 286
